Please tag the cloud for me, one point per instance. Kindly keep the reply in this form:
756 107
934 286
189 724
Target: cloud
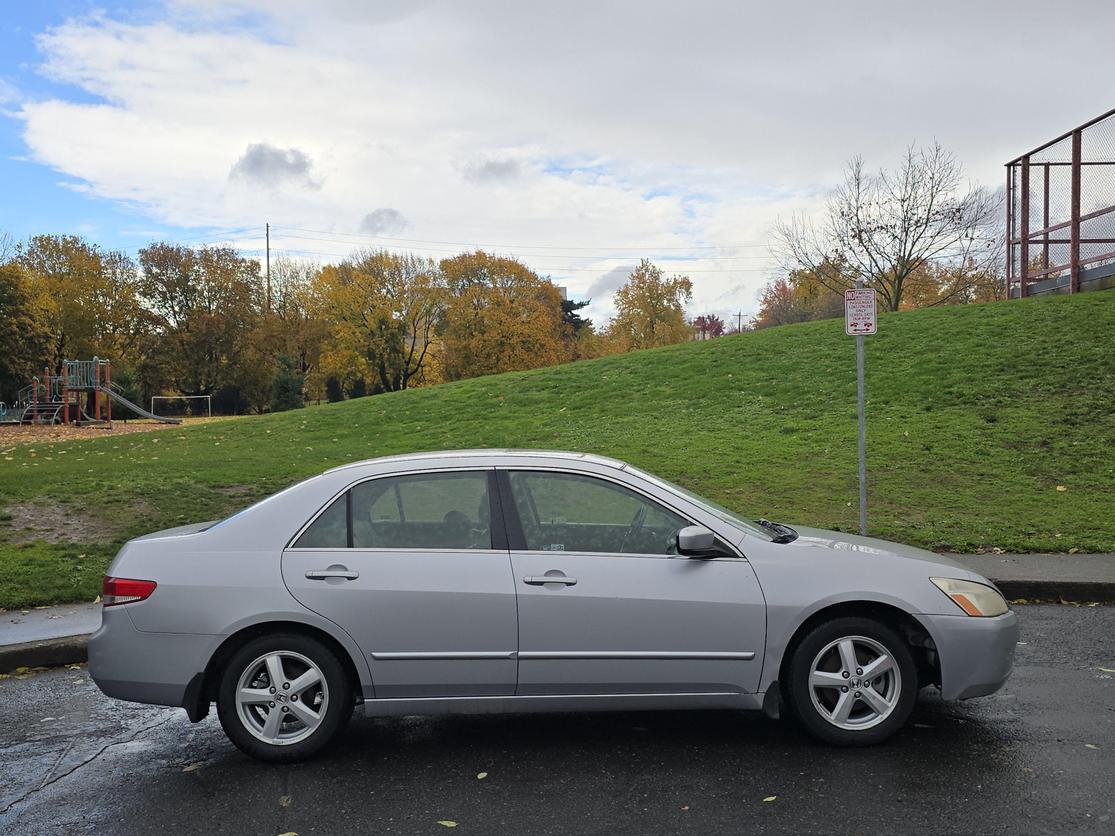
593 151
491 170
8 92
609 283
271 167
383 220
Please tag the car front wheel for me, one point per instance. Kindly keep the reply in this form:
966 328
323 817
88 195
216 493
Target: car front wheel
852 682
283 698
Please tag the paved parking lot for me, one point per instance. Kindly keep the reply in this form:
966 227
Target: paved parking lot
1038 757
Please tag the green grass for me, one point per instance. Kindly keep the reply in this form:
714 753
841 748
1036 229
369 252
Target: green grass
976 415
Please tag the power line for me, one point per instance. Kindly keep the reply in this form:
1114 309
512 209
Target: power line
468 245
288 236
550 269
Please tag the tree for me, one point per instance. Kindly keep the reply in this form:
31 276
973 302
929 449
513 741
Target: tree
24 333
500 316
882 228
209 304
89 297
286 386
708 326
650 309
384 309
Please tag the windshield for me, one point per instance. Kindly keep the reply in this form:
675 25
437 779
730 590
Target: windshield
714 508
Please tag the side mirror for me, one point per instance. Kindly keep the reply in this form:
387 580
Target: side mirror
697 541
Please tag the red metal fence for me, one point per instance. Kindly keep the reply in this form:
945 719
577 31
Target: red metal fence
1061 213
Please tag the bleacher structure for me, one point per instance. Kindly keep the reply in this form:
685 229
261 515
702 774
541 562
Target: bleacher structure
1061 213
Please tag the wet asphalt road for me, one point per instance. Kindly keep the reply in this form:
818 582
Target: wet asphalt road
1021 761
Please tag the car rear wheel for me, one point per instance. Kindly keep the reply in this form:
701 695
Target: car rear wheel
283 698
852 682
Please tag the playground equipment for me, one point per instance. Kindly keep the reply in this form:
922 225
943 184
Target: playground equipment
83 394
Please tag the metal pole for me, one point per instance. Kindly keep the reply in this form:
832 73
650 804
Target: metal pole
267 230
1024 211
1074 215
862 433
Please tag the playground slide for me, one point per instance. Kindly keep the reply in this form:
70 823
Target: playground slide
138 410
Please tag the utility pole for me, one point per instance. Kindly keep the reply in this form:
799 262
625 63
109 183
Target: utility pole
267 233
739 322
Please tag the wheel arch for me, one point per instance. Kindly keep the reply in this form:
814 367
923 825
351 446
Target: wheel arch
202 689
913 631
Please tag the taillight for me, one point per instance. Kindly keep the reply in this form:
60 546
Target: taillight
124 591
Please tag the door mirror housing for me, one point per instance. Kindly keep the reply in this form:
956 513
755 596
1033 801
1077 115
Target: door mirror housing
697 541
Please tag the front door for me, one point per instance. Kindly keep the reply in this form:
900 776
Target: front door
406 565
606 606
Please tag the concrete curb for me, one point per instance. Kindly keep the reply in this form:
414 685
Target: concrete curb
1044 590
65 650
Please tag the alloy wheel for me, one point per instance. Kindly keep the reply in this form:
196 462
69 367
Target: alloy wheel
281 697
854 683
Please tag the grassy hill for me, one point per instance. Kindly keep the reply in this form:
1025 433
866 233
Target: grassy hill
988 425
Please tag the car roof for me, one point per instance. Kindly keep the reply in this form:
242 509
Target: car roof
503 453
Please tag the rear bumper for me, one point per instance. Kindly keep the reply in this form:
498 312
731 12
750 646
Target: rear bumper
976 654
143 667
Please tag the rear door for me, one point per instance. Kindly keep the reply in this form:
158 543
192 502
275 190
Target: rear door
606 606
414 569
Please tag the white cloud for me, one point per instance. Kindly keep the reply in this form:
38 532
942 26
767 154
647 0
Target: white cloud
629 128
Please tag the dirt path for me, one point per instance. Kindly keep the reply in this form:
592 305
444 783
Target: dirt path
29 433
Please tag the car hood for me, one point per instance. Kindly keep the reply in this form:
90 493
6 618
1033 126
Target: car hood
835 541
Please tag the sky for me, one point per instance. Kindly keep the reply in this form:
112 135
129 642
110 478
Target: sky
576 136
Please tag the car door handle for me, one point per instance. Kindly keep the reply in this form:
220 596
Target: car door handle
539 580
322 574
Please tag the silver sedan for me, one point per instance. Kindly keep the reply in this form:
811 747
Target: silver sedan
514 581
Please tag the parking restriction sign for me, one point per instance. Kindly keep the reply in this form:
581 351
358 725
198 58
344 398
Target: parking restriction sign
859 311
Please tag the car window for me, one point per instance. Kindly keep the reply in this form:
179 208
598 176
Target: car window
422 511
329 530
570 512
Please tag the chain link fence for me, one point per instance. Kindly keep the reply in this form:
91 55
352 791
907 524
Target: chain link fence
1061 213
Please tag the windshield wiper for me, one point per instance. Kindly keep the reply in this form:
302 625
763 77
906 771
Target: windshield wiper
782 533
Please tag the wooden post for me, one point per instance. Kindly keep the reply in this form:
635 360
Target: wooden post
96 393
108 388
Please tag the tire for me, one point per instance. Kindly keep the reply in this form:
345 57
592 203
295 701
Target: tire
304 717
851 710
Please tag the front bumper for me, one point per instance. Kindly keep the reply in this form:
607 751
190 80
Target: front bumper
976 654
144 667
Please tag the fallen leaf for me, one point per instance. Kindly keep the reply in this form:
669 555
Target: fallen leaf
447 823
770 798
284 800
1062 488
480 776
1107 670
289 833
685 806
191 767
1090 746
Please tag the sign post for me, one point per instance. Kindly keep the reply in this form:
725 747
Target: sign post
859 319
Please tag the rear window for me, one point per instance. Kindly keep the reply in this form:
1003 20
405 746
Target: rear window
417 511
328 531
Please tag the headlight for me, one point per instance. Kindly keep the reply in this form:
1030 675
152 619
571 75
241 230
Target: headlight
974 598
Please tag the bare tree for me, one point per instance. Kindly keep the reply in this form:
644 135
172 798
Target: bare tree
882 228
